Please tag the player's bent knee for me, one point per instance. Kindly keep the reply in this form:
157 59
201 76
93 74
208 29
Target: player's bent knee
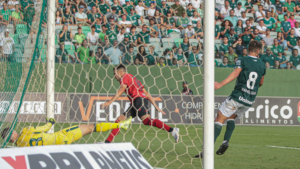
147 121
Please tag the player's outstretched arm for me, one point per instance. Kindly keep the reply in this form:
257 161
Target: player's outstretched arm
150 98
230 78
118 94
45 127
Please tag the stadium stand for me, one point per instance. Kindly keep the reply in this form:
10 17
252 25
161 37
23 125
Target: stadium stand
169 29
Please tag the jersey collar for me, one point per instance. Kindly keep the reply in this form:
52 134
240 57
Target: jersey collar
252 57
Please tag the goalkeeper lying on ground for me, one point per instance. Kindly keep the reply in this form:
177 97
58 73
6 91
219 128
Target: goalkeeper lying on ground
36 136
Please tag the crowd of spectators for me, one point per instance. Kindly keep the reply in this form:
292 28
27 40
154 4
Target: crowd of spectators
167 33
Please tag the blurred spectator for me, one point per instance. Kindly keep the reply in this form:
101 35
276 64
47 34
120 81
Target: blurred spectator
243 18
245 53
261 29
181 59
168 55
133 18
184 3
164 8
58 18
297 30
102 59
194 58
189 10
225 10
195 18
231 55
102 34
151 57
260 14
246 37
141 55
233 4
196 3
126 7
174 62
232 37
277 26
217 30
289 65
225 63
114 53
268 38
103 7
292 20
67 17
224 47
289 7
98 25
269 21
143 37
225 29
124 23
151 10
281 40
177 9
282 60
238 10
7 44
221 3
238 46
153 27
249 7
62 55
276 48
199 30
79 36
186 90
161 62
279 8
295 59
92 36
93 16
112 33
183 21
130 56
80 16
65 35
119 9
157 18
277 65
121 34
190 32
133 36
5 14
185 46
111 17
291 40
263 47
83 52
268 57
267 64
298 46
17 16
140 8
285 26
232 18
163 32
266 5
238 28
256 36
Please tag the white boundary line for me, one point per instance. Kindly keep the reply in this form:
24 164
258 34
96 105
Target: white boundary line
292 148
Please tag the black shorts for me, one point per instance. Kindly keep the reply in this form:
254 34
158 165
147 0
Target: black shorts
138 107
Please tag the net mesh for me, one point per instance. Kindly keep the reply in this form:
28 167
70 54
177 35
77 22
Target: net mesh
80 88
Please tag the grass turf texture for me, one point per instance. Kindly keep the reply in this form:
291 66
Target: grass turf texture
248 148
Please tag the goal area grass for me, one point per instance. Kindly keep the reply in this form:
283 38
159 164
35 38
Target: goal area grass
250 146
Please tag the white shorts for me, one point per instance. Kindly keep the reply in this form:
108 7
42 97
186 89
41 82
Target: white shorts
230 107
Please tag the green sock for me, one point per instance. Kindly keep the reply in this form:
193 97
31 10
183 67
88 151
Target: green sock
229 129
218 128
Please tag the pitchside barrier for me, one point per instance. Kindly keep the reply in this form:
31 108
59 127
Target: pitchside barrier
271 111
88 156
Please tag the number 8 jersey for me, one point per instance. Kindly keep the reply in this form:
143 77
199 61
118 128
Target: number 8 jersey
247 83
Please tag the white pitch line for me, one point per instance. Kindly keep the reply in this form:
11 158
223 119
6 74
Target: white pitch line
292 148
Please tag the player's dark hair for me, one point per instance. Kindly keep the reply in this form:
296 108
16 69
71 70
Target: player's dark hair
254 46
93 27
120 66
4 132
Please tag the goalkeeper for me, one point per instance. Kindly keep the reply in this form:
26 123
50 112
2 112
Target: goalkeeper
36 136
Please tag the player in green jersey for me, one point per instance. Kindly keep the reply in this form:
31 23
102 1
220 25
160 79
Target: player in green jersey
250 72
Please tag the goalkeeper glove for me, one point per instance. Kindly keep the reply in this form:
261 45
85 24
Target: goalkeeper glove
51 120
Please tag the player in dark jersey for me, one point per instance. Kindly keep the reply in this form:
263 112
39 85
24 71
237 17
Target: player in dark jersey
139 98
250 72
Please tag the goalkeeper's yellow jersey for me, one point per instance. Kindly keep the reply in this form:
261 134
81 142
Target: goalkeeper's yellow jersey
36 136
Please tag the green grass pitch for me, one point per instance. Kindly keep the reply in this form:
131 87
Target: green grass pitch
249 146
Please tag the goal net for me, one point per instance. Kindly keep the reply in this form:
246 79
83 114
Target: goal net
82 86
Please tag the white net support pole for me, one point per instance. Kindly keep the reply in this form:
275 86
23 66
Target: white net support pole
209 77
50 60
